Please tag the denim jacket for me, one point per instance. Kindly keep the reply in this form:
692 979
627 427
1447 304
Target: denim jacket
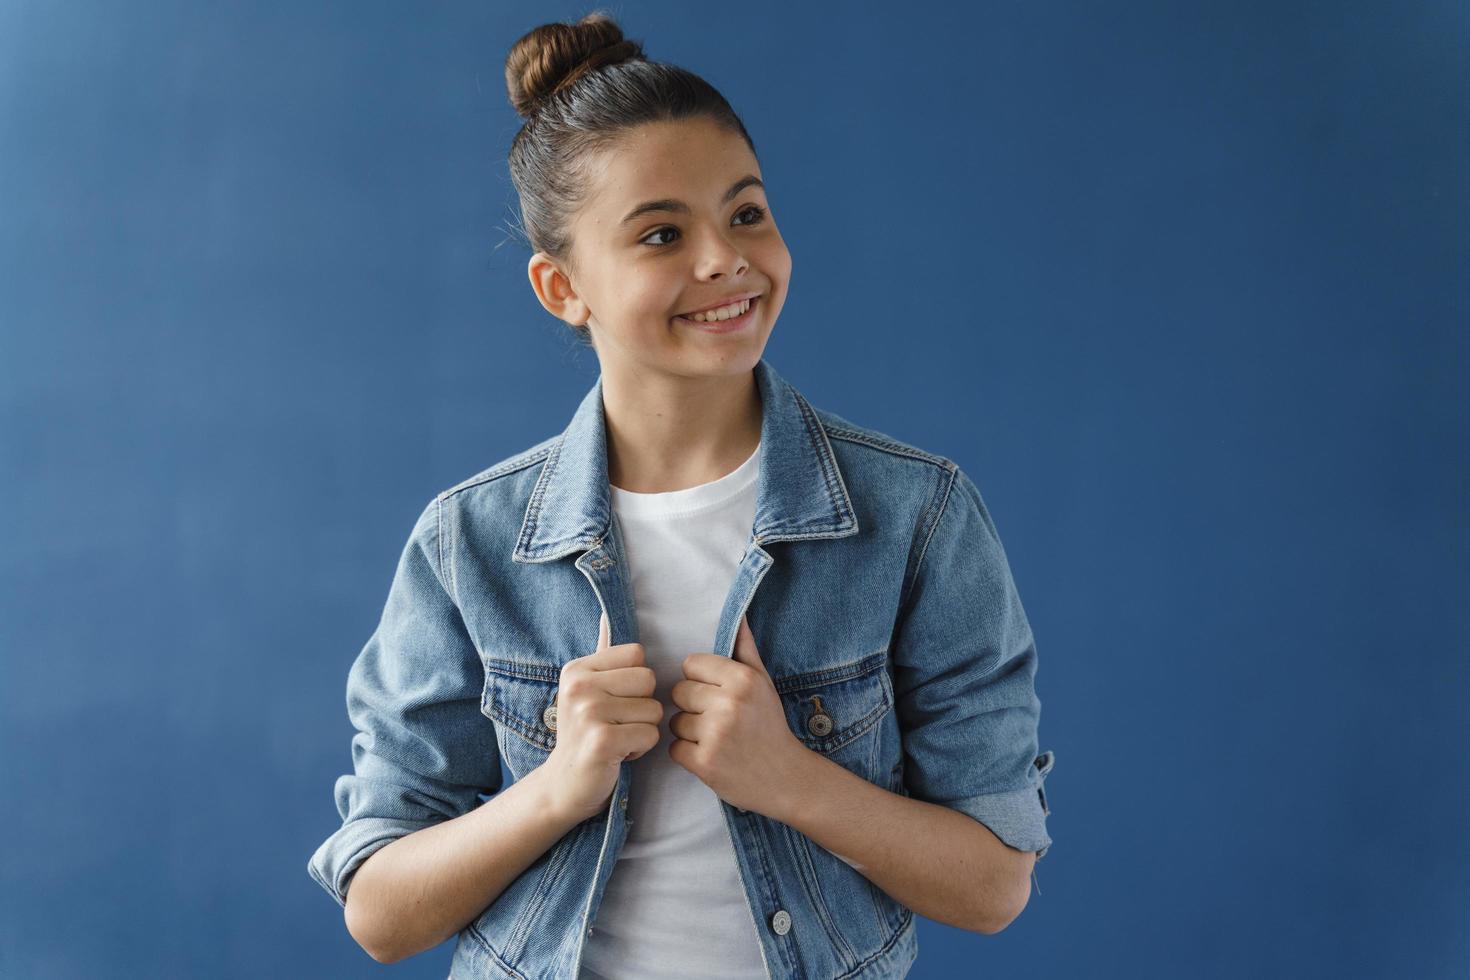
873 580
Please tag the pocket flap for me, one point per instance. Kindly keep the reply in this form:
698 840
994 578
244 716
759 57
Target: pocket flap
831 707
518 694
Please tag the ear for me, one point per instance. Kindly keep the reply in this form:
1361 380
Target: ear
554 289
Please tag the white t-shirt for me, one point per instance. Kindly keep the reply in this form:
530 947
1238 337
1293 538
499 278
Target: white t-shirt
674 906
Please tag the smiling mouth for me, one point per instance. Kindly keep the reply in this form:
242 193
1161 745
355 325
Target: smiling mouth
731 324
748 305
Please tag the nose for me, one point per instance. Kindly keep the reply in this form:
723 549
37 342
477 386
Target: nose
723 259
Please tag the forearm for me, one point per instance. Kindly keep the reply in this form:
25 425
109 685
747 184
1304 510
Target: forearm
421 889
939 862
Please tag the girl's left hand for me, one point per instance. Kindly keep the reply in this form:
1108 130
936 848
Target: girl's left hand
732 731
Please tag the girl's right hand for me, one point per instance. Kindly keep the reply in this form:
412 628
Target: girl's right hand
605 715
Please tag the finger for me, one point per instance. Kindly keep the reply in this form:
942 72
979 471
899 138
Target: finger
708 668
626 701
683 725
693 697
745 648
624 682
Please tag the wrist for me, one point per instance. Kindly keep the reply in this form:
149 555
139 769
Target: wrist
553 801
795 774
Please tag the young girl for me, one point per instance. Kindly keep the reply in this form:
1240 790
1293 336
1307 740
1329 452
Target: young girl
808 710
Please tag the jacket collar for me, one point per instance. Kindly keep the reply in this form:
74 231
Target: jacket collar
800 493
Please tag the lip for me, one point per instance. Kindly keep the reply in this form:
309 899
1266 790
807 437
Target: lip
726 326
724 302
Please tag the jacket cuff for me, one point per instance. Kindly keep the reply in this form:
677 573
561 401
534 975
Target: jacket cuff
1017 817
1014 817
339 856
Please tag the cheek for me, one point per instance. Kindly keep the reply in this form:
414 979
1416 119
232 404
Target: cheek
643 306
775 259
775 262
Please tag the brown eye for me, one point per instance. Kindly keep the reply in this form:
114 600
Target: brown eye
754 213
658 231
757 213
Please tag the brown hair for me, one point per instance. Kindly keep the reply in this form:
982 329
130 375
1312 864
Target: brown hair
580 87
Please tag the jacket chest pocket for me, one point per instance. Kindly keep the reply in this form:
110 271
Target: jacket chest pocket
846 714
520 697
836 711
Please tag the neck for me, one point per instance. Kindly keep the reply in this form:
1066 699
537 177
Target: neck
668 433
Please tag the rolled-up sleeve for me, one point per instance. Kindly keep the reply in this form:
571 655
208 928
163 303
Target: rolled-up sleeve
423 752
964 664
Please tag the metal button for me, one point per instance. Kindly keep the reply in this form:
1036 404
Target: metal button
602 562
623 803
548 717
781 922
820 723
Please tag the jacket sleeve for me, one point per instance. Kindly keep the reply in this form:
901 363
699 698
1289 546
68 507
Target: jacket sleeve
423 751
964 663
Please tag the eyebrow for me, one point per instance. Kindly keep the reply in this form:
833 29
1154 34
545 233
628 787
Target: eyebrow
669 204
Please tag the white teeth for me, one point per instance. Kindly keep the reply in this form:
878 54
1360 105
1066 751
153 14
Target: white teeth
720 313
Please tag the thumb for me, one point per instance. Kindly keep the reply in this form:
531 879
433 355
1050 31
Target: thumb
745 648
603 632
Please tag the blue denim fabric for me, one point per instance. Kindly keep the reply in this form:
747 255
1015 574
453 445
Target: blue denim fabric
874 578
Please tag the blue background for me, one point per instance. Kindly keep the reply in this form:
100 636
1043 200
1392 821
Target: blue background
1185 290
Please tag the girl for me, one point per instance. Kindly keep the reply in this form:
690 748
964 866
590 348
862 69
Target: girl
809 710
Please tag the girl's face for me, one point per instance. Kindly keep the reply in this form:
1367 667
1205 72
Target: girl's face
676 220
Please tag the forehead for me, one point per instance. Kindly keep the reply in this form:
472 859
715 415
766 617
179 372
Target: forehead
692 160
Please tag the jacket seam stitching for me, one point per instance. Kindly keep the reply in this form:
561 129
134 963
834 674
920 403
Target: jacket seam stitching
897 449
904 917
450 579
831 476
933 528
516 463
521 729
813 881
861 667
491 951
939 519
533 508
454 565
439 534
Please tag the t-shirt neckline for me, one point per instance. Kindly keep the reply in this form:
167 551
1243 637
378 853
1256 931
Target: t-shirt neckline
688 499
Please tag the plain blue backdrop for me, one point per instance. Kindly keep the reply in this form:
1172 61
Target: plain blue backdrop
1186 288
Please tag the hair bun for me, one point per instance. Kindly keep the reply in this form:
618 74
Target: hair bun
552 57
